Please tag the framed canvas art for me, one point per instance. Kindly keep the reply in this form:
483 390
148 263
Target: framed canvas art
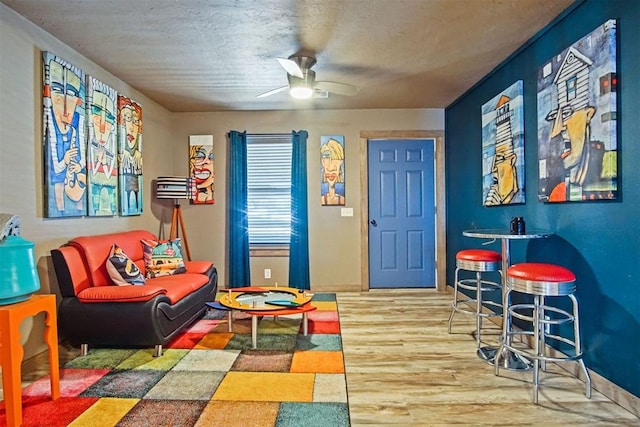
64 144
577 120
201 168
130 156
503 148
102 149
332 171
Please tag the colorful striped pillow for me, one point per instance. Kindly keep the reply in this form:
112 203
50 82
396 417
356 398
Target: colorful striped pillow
163 258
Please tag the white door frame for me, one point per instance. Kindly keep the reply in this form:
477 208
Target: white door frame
438 136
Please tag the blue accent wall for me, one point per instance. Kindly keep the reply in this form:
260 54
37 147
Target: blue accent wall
598 241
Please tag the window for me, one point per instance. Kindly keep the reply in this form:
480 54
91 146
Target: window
571 88
269 189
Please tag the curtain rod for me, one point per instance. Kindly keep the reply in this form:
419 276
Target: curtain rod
269 135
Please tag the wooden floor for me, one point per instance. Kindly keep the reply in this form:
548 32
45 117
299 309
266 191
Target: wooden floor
404 369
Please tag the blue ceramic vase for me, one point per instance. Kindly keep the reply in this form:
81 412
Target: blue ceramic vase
18 273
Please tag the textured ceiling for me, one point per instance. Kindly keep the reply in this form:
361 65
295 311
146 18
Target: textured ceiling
213 55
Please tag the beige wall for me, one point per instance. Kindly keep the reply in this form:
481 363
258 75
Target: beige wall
334 240
21 176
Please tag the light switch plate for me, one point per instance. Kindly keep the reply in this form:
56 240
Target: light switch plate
346 212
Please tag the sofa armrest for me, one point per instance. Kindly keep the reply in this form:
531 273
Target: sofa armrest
70 270
120 293
200 267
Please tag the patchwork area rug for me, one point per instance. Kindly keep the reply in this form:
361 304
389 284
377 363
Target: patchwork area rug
207 377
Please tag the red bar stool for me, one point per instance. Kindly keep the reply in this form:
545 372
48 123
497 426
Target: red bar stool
478 261
541 281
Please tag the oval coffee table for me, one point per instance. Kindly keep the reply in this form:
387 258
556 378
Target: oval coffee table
267 301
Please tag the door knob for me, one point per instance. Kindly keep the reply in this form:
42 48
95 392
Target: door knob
374 223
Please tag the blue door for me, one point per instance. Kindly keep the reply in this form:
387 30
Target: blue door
401 213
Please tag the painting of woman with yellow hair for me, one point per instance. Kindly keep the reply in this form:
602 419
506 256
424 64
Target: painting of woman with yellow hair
332 159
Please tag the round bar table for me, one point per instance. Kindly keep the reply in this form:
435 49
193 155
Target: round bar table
511 360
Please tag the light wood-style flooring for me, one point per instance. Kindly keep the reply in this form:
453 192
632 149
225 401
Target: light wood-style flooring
404 369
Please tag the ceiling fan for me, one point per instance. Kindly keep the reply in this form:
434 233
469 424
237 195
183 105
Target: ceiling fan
302 80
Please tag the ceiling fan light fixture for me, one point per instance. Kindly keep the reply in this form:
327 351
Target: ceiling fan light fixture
301 92
302 81
302 88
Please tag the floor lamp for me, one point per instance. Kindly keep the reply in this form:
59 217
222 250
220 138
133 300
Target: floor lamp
176 188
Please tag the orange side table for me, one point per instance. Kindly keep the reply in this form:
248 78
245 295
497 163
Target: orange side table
11 351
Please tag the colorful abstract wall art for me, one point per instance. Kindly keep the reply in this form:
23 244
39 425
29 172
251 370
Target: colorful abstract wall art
130 156
65 172
102 149
577 119
332 171
201 168
503 148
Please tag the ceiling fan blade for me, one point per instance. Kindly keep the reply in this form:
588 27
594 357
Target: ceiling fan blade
273 92
291 66
339 88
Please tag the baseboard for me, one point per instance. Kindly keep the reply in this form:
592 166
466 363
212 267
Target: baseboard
327 288
337 288
599 383
612 391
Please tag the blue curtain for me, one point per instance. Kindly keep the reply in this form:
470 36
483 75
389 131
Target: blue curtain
299 245
239 269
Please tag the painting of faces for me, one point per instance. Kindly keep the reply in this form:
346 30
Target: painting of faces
332 171
64 138
503 148
577 138
130 155
102 149
97 172
201 168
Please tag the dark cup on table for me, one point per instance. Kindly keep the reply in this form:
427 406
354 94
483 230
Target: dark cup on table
517 225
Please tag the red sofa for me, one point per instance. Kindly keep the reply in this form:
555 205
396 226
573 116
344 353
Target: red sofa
94 311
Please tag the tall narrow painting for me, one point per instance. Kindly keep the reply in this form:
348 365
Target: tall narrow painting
130 156
65 173
577 136
332 171
503 148
201 168
102 149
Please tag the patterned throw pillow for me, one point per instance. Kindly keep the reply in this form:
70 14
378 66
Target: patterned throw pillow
163 258
122 270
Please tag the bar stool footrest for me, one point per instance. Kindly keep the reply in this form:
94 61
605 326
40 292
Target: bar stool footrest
485 285
455 306
516 311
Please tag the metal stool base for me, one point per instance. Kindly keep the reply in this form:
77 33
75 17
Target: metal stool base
540 321
479 286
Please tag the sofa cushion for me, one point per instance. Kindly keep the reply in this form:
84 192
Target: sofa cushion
162 258
122 270
121 293
95 250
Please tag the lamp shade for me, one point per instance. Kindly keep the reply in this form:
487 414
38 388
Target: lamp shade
175 187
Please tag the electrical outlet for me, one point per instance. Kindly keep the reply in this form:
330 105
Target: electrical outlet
267 273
